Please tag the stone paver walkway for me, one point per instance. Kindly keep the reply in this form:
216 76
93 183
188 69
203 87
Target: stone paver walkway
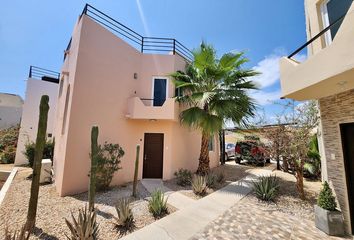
249 220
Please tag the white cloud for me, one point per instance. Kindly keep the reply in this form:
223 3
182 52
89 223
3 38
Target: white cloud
265 98
269 71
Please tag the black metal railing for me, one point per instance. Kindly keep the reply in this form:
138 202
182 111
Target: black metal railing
43 74
339 20
141 43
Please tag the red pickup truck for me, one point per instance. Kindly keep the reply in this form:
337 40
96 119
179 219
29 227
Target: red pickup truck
252 151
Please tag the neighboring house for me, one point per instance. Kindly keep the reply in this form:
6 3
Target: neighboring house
121 83
40 82
328 76
10 110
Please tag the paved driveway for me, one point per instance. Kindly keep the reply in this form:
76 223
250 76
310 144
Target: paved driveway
249 220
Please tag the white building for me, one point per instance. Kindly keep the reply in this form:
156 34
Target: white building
10 110
40 82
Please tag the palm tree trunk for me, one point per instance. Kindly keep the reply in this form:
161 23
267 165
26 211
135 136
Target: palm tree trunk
203 167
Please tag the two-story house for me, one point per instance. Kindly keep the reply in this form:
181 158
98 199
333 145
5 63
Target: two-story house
327 75
119 80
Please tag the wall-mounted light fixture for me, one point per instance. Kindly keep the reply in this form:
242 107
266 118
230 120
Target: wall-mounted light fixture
135 76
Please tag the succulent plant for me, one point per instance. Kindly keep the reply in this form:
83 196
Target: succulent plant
84 227
199 184
158 204
22 234
266 187
125 217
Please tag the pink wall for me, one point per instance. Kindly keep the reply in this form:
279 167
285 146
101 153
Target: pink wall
101 67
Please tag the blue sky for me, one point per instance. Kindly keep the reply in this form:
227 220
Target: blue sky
37 32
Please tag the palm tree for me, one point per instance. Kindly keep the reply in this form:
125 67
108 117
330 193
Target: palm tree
214 91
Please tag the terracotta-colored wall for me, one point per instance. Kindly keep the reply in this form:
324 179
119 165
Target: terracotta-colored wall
101 70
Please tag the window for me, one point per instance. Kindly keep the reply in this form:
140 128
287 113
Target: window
65 109
160 91
211 144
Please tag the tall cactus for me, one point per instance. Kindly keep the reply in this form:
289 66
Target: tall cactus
94 155
136 170
38 154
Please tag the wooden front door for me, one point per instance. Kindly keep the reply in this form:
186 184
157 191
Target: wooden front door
153 155
347 132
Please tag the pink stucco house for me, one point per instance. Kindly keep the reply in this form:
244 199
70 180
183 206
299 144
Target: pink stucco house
119 80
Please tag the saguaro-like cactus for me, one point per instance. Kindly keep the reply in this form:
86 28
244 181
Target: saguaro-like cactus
38 154
94 155
136 170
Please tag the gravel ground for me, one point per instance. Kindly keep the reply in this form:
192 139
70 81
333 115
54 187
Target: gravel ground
52 209
231 171
288 201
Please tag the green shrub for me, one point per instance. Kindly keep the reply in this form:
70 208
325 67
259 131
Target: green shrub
109 158
158 204
199 184
125 217
326 199
266 188
84 227
47 151
211 180
8 144
184 177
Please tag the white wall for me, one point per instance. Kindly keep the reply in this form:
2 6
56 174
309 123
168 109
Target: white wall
30 114
10 110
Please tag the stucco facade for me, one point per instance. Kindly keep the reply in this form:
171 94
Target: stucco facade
102 82
30 114
327 75
10 110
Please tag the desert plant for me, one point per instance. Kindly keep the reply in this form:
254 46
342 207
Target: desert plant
135 182
220 177
183 177
326 199
8 143
125 217
22 234
108 160
84 227
211 180
158 204
266 187
37 164
94 160
30 149
199 184
214 89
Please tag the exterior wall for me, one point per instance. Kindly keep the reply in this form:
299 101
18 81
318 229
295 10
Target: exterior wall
30 114
100 69
335 110
10 110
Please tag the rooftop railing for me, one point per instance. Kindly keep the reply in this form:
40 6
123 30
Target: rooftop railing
335 23
43 74
141 43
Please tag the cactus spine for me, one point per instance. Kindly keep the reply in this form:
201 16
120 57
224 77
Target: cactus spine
136 170
94 159
38 154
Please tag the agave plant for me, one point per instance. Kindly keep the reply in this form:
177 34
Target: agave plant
211 180
125 217
199 184
17 235
158 204
84 227
266 188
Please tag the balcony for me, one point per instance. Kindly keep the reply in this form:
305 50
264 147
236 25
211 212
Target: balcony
143 109
328 72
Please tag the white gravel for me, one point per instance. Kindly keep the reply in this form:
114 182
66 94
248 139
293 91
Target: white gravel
52 209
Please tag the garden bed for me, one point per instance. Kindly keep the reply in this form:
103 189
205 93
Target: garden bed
230 170
52 209
288 201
